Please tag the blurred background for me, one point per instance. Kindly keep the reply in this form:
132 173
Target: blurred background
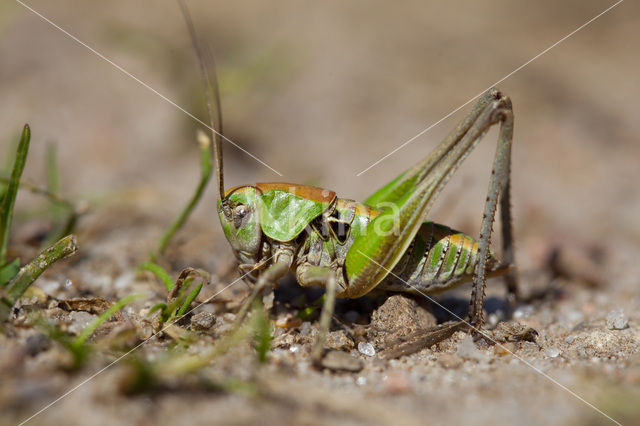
322 90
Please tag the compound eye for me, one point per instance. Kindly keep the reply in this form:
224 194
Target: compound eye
239 212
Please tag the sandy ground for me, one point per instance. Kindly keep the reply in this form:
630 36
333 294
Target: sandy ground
320 92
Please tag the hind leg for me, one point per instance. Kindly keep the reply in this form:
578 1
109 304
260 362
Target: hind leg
499 188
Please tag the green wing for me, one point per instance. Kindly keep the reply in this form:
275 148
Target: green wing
283 215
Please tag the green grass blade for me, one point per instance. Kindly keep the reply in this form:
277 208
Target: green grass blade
190 298
105 316
9 199
205 175
159 272
157 307
172 307
32 270
262 337
305 313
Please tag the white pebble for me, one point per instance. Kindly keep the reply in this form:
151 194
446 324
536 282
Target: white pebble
493 320
617 320
467 349
305 328
552 352
79 320
361 381
366 349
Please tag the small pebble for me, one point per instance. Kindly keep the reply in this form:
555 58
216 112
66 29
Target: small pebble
203 320
145 329
552 352
366 349
569 339
79 320
339 340
617 320
492 320
467 349
305 328
361 381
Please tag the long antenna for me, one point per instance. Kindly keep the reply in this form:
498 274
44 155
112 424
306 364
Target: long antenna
216 130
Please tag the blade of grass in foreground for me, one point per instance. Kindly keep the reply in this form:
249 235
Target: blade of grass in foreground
159 272
262 336
9 199
189 299
32 270
205 175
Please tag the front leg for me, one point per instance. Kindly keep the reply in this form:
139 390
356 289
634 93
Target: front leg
269 276
327 277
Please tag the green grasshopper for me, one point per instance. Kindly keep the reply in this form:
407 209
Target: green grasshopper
385 243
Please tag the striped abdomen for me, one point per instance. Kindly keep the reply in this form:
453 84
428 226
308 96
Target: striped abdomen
439 258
